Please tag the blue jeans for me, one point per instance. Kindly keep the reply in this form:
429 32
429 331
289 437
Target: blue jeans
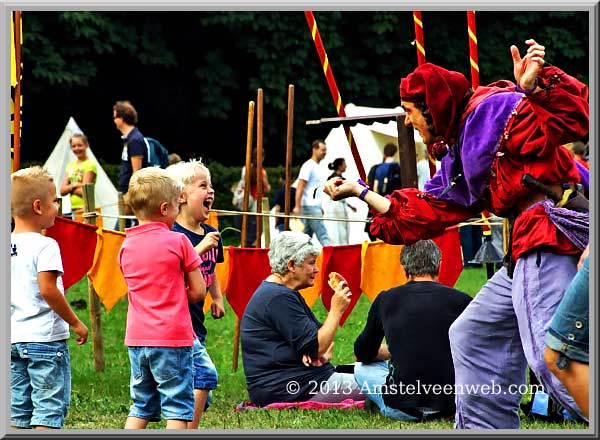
161 379
370 378
569 332
205 372
40 381
315 226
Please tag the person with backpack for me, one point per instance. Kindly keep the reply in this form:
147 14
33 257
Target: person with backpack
384 178
135 151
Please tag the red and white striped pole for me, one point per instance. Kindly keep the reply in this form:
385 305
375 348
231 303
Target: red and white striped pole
419 40
473 58
335 94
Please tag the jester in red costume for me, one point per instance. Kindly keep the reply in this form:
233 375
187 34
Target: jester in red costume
490 139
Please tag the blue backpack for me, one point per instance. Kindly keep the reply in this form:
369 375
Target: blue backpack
158 156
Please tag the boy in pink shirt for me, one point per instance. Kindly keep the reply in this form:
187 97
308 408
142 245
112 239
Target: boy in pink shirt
157 264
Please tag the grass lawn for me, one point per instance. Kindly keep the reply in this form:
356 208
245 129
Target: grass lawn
101 400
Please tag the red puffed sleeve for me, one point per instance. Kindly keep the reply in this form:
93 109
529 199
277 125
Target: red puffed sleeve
558 114
415 215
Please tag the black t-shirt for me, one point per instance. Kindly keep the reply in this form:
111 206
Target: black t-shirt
415 319
133 145
276 330
208 263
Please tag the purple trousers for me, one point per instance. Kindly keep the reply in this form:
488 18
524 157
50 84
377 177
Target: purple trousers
499 333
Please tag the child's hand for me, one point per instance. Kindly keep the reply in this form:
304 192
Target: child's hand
82 332
210 241
216 308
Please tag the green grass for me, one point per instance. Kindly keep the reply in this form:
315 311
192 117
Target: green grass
101 400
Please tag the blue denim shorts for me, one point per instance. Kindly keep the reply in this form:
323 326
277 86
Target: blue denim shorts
40 381
569 332
205 372
161 380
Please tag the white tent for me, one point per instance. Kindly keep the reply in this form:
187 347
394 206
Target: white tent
370 141
105 191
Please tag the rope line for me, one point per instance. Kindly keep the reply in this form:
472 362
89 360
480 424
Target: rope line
224 212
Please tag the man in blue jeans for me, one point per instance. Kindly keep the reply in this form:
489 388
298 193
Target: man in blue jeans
567 340
309 192
418 380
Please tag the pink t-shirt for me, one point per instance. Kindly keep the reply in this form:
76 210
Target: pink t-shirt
153 260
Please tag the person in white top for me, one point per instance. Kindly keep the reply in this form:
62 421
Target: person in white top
308 193
40 316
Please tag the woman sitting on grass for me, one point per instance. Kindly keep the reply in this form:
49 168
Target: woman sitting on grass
286 351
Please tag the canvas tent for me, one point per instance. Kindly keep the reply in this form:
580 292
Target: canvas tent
370 140
105 191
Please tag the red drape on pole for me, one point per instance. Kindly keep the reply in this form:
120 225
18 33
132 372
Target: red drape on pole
77 243
248 267
346 260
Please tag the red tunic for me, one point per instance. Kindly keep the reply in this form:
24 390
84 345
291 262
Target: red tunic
531 144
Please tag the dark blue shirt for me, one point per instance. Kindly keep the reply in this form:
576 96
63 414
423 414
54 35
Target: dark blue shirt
278 328
208 264
133 145
280 200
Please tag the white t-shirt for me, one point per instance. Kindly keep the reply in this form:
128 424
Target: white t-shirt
31 318
312 173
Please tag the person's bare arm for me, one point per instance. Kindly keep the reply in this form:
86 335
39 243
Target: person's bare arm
339 303
383 354
266 186
57 302
136 163
217 308
65 187
339 189
299 192
88 177
196 287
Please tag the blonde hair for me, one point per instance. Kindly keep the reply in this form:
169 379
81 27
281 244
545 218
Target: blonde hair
148 189
185 172
27 185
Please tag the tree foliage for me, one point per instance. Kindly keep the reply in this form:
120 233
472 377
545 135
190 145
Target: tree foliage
192 74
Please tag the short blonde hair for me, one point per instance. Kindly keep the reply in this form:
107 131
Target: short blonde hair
148 189
27 185
185 172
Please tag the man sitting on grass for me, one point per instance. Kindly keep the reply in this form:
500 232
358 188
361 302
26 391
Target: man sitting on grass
418 380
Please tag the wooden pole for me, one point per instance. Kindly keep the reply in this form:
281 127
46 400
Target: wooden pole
236 333
408 157
95 311
121 211
259 166
17 103
288 156
247 172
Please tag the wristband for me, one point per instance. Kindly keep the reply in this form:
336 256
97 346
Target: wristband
531 90
365 191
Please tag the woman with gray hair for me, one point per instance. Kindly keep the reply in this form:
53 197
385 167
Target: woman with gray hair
286 351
